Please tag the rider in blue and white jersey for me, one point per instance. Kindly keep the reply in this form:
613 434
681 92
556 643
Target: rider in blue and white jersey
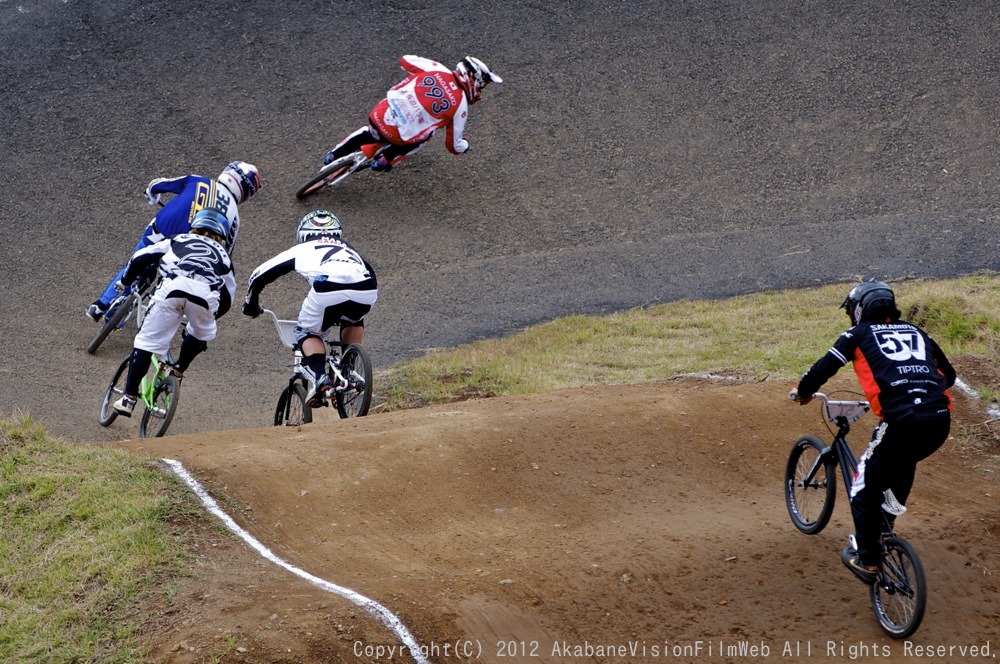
236 184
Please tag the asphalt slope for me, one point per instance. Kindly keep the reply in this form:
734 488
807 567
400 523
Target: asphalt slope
637 152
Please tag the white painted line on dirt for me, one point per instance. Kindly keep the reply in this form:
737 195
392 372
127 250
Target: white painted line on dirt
384 615
708 376
992 411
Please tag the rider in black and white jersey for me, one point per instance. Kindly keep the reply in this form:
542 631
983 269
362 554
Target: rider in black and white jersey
342 291
197 282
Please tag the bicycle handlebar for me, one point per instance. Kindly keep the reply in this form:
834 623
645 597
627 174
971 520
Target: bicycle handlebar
834 410
794 395
286 331
285 328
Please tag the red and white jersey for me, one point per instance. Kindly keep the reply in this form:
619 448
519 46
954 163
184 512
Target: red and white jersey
426 100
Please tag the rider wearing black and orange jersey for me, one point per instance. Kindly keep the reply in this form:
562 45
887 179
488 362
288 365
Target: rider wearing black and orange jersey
905 376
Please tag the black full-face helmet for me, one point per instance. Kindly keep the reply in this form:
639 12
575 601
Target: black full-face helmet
866 297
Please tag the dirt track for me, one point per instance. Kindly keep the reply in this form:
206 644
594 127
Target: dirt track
626 517
637 152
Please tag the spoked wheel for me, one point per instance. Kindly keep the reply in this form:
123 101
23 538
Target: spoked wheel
899 597
113 322
292 410
329 175
356 399
155 420
116 390
810 485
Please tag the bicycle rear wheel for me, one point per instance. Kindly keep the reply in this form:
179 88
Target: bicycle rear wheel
113 322
356 399
292 410
810 495
899 596
116 389
329 175
155 420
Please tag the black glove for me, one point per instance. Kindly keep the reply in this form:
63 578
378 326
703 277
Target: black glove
252 309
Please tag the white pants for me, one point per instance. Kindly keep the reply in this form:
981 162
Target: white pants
320 311
169 306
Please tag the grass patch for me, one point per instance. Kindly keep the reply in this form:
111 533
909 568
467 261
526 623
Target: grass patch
85 536
764 335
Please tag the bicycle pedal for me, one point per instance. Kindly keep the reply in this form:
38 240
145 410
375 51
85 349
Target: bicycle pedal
849 557
318 401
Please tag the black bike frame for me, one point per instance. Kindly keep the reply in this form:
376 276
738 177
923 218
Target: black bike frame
840 451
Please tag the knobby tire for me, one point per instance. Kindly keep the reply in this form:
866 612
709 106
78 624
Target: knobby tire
810 507
292 410
327 176
353 402
899 597
116 389
112 323
155 422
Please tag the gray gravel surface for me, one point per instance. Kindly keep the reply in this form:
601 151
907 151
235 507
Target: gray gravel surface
637 152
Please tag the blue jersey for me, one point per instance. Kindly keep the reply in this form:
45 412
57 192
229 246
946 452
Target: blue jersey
192 193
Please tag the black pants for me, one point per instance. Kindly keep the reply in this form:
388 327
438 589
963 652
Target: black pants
890 463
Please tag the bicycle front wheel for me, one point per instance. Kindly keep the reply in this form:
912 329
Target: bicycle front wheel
899 596
292 409
112 323
810 485
116 390
329 175
155 420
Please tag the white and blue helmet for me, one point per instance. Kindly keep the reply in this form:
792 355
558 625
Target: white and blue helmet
241 179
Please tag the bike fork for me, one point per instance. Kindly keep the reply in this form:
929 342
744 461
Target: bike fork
817 464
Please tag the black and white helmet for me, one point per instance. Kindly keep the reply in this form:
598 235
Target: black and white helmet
316 224
868 296
473 75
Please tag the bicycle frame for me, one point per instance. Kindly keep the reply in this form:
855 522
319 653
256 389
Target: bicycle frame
121 310
340 169
147 386
844 455
149 382
842 414
347 366
139 304
286 333
899 592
